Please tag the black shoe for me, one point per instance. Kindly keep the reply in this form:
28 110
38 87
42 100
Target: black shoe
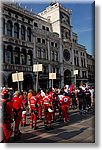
80 113
46 127
35 128
50 128
20 133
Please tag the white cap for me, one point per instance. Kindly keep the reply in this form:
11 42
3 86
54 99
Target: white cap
50 110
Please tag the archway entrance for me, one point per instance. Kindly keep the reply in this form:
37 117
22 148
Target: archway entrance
67 77
11 84
26 84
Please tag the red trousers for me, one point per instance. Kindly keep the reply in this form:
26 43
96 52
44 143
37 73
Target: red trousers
7 131
23 121
18 119
65 112
33 119
47 118
40 112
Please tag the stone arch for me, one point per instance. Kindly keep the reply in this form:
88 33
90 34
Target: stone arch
12 84
9 28
8 57
29 57
28 82
16 30
16 55
3 79
67 77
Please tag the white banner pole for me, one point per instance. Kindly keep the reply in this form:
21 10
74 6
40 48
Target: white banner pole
18 81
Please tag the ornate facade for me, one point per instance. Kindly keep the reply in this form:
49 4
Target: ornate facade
44 38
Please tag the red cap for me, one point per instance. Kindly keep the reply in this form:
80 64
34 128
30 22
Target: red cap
4 92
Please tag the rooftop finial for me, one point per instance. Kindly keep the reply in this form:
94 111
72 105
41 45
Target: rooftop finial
52 2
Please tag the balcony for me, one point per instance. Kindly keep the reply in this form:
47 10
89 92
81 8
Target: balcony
46 33
68 40
16 67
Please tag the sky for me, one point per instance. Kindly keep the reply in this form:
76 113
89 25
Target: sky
82 18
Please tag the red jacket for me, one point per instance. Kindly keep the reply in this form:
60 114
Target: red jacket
17 103
65 101
39 99
33 103
47 101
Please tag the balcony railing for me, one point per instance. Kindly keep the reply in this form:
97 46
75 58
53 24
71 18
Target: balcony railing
16 67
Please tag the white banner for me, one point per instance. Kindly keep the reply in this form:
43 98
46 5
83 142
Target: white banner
20 76
37 68
52 75
75 72
14 77
17 77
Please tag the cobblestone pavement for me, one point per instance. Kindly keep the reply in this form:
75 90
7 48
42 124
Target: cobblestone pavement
80 129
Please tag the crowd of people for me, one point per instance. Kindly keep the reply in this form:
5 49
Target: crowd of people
42 105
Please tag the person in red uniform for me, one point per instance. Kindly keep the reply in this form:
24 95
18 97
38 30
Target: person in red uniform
52 97
7 116
24 104
65 103
34 111
30 94
40 103
18 108
47 102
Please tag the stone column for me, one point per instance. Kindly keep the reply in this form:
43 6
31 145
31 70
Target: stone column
5 27
34 48
19 31
13 29
79 59
49 50
85 60
25 33
62 75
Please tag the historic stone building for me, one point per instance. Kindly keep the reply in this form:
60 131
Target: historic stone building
45 38
73 54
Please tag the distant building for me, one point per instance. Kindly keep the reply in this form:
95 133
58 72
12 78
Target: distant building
91 69
45 38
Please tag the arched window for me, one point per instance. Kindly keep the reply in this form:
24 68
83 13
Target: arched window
29 58
23 57
8 55
9 28
52 55
56 56
3 26
16 30
23 32
16 55
39 52
44 54
29 34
